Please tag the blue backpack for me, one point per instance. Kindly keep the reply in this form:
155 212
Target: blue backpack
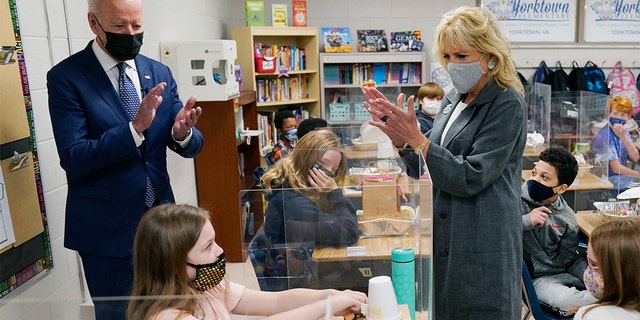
542 73
596 80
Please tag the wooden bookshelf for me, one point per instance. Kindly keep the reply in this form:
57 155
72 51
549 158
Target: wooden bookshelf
222 184
359 67
300 37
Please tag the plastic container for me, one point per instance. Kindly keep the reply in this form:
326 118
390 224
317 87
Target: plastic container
265 64
339 112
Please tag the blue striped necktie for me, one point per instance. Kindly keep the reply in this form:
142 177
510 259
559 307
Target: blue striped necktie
131 102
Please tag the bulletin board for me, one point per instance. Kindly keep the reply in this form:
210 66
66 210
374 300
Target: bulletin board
25 248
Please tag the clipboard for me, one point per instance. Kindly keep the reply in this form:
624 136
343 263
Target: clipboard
22 194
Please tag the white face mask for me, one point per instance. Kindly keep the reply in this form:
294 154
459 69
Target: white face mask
430 107
465 75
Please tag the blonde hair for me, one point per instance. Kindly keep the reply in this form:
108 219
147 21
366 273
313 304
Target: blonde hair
164 237
616 244
477 28
293 170
622 104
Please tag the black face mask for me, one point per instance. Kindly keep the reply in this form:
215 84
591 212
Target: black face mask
122 46
538 191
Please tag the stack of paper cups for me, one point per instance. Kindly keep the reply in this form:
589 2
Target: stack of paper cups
403 274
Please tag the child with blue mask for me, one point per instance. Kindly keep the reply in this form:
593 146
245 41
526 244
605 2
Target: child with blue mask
550 233
614 143
287 127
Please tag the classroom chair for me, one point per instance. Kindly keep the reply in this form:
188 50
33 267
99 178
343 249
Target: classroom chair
530 299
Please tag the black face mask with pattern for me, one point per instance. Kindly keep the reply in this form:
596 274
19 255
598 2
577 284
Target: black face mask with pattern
209 275
122 46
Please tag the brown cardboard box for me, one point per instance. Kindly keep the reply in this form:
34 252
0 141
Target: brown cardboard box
379 197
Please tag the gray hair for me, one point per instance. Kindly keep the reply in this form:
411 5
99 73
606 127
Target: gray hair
94 6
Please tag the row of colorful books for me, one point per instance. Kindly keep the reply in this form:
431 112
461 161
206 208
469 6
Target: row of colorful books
254 10
288 57
371 40
282 89
380 73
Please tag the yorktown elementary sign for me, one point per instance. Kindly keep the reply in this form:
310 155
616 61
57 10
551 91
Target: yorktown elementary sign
612 21
535 20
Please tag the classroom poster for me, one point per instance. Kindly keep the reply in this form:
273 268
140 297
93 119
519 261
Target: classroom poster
535 20
612 21
28 253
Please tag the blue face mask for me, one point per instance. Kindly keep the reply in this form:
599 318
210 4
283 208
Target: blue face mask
291 135
614 121
538 191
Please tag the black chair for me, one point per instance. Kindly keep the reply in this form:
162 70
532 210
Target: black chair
281 266
530 299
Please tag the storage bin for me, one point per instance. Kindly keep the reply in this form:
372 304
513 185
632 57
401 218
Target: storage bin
265 64
339 112
360 112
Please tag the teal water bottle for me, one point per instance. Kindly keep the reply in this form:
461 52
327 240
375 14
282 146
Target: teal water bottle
403 275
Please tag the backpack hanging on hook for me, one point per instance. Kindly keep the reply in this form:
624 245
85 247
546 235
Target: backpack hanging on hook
542 73
577 79
622 82
558 79
596 80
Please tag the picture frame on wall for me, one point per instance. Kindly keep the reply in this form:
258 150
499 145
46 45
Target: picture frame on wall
611 21
535 21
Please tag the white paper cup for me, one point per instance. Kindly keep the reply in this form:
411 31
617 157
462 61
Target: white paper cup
383 304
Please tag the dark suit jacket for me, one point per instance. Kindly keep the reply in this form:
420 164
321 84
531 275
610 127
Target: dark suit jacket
105 170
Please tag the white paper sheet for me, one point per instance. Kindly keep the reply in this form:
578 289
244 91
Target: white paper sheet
7 237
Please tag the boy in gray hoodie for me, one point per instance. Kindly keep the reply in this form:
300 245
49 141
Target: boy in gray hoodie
550 239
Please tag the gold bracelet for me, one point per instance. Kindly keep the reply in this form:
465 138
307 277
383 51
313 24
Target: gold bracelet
421 146
404 146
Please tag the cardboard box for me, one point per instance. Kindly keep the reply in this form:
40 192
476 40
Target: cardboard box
380 197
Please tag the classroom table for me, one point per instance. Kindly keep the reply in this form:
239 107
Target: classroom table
376 248
588 220
336 269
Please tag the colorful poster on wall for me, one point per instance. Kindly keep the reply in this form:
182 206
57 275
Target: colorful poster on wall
535 20
612 21
29 253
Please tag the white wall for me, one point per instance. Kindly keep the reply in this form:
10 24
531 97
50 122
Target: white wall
52 29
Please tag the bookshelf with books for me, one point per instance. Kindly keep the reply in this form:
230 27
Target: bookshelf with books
343 74
229 158
281 65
